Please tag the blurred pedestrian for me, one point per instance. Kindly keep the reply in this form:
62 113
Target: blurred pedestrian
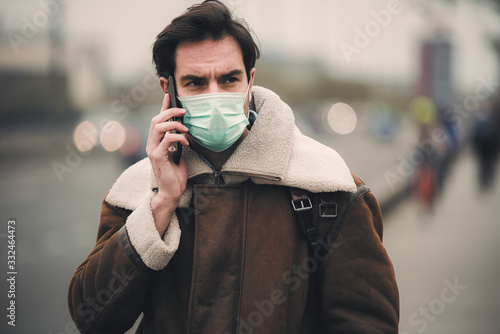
428 176
485 141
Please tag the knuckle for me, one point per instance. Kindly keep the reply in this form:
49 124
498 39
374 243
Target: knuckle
154 120
155 155
160 127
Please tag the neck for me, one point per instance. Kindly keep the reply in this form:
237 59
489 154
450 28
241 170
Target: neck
216 159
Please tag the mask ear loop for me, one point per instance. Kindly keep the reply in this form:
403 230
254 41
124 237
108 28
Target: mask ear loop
251 113
249 100
248 90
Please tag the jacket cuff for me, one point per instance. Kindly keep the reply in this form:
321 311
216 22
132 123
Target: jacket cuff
154 251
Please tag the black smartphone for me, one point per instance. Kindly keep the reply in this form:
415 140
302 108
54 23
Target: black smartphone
174 103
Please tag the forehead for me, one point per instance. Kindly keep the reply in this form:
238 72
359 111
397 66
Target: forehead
208 55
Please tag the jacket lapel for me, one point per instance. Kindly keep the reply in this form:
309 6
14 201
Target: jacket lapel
274 148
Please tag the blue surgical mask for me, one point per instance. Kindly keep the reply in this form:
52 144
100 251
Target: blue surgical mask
215 120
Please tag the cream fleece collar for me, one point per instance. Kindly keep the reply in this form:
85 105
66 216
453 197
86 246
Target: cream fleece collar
274 152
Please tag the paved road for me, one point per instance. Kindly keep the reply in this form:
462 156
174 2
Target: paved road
447 262
57 224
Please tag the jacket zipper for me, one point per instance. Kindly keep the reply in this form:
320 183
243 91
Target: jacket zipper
218 178
257 176
218 175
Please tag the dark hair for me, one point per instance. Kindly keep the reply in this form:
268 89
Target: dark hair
210 19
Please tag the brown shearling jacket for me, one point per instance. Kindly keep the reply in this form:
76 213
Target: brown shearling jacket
232 259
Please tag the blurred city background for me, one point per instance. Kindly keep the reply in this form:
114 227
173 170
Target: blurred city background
406 91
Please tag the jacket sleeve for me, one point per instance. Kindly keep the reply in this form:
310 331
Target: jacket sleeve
108 289
357 280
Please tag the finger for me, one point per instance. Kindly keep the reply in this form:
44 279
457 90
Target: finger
161 150
166 102
170 138
166 115
171 126
160 129
182 162
165 105
154 137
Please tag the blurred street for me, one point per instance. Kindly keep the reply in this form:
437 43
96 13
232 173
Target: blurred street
57 224
457 243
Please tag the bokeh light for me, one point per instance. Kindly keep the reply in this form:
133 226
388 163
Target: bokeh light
133 141
85 136
423 109
112 136
342 118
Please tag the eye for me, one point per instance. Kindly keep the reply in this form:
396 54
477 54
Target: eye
194 83
230 80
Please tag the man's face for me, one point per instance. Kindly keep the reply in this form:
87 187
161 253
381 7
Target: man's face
211 67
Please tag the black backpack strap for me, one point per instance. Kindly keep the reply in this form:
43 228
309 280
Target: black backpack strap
333 207
345 201
302 205
333 210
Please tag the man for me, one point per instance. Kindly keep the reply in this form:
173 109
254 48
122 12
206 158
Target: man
214 244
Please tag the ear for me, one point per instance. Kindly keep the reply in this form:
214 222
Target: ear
164 84
250 83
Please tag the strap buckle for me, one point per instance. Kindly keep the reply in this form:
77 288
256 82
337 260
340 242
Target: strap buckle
312 236
328 211
302 204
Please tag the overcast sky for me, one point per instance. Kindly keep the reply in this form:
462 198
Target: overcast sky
292 28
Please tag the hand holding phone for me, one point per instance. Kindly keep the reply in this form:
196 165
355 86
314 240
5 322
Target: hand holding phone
166 133
175 103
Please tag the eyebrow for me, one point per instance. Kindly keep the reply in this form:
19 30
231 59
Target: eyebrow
231 74
192 77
